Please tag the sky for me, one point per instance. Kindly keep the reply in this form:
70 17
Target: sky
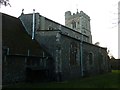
103 14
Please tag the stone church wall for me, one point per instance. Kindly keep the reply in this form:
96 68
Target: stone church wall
66 52
13 69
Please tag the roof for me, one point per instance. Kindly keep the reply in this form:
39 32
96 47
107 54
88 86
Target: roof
56 23
17 39
66 28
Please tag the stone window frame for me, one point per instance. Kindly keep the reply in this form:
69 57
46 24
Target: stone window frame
74 26
73 53
91 62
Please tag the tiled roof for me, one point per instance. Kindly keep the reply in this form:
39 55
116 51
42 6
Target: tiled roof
16 38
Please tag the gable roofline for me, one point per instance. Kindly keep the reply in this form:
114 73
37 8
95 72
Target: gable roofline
13 36
71 37
55 22
84 41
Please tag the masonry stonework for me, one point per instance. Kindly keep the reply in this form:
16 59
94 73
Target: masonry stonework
79 22
72 51
56 53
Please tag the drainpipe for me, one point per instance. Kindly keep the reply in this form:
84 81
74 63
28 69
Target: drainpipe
33 28
8 50
81 57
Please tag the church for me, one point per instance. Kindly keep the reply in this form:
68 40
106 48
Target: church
58 52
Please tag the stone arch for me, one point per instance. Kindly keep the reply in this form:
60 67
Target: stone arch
91 58
73 24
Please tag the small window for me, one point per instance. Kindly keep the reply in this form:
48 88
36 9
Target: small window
90 58
73 24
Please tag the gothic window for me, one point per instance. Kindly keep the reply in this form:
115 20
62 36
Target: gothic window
73 24
90 58
84 25
73 54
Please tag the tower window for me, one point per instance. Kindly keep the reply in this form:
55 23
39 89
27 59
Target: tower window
73 24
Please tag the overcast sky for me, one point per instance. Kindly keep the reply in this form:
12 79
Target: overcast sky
103 14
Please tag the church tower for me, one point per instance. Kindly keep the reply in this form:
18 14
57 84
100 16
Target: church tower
79 22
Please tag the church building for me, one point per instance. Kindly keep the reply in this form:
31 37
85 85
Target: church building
71 46
37 48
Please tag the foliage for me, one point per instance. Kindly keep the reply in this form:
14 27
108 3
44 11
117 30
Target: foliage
5 3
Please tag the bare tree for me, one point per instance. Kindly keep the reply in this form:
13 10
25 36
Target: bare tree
5 3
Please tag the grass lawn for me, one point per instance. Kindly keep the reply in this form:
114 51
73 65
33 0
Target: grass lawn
109 80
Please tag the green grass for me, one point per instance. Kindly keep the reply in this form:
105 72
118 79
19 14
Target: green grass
109 80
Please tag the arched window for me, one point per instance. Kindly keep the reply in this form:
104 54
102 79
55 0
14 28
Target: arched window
73 24
90 58
73 53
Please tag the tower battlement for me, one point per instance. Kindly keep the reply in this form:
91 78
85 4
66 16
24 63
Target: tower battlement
79 21
69 15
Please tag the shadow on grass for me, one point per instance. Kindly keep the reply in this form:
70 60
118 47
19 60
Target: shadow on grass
109 80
